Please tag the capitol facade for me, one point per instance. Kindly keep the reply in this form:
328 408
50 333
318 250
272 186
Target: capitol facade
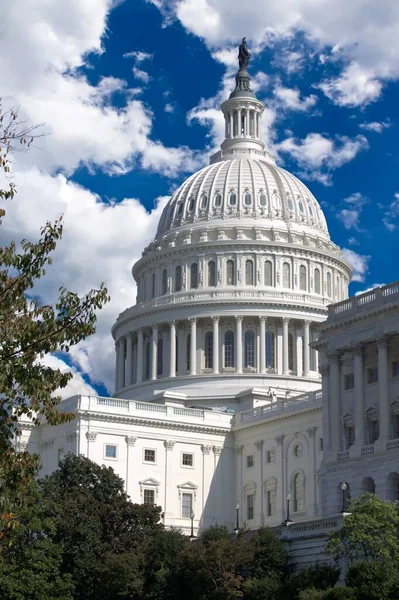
247 384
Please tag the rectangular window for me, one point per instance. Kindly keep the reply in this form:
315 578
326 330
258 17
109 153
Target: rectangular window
321 445
149 496
374 431
250 461
270 503
372 375
250 507
186 506
187 460
149 456
395 368
349 381
349 437
270 455
110 451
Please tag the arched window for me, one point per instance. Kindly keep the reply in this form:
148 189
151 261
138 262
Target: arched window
286 275
178 279
148 360
249 272
204 201
194 276
188 351
270 490
262 200
209 350
211 273
290 203
290 352
160 357
180 209
191 205
164 281
329 285
230 278
247 199
317 281
298 493
302 278
310 210
229 349
218 199
270 350
249 349
300 205
153 286
233 199
268 273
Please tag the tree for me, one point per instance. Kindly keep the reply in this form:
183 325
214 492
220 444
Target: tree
96 521
377 580
30 329
369 533
317 578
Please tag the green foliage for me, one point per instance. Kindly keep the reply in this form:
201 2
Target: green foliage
370 532
318 577
30 329
337 593
374 580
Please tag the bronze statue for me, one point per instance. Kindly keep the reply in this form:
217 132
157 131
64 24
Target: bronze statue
243 55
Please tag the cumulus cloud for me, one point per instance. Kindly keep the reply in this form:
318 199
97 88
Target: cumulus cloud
375 126
359 262
318 155
291 99
355 86
391 215
139 57
350 215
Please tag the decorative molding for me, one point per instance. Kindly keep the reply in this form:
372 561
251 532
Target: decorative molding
149 483
239 449
311 431
217 450
357 349
279 439
72 437
169 444
91 436
130 440
206 449
259 444
334 357
188 486
382 342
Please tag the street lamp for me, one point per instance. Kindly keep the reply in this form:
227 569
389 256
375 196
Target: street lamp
192 536
344 487
288 520
237 528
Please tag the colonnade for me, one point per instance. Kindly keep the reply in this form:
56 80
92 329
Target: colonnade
250 119
334 385
215 345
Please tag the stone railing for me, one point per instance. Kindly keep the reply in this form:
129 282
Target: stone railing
368 450
278 407
393 444
117 406
232 296
364 302
343 455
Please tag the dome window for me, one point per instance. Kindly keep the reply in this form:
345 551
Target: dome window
262 200
233 199
302 278
204 201
211 273
247 199
194 276
290 204
230 275
317 285
218 199
229 349
300 205
249 349
180 209
310 211
178 279
268 273
191 205
249 272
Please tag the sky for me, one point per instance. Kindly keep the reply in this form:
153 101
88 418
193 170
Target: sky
128 95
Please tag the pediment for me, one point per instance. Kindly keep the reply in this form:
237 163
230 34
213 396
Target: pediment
149 481
188 485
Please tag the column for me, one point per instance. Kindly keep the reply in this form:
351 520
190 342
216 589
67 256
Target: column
285 346
130 442
154 352
215 357
281 489
247 122
172 348
169 444
306 349
359 394
193 346
259 447
117 359
334 395
239 122
239 344
239 492
140 349
121 363
299 351
207 508
324 370
262 344
383 389
129 359
231 125
91 438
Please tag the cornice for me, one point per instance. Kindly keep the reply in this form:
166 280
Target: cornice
359 316
283 416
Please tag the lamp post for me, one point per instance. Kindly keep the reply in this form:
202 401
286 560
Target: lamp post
237 527
192 536
344 487
288 520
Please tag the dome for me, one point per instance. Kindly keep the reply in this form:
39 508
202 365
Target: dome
246 189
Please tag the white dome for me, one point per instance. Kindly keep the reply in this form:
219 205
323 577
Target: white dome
242 188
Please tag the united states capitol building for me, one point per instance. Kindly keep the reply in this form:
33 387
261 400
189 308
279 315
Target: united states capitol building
247 383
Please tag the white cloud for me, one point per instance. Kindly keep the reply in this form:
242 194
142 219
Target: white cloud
359 33
138 57
372 287
318 155
77 385
169 107
350 216
352 241
359 262
291 99
391 215
375 126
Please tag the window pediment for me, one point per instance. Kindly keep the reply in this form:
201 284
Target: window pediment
188 486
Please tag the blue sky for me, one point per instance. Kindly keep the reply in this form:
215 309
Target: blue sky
129 93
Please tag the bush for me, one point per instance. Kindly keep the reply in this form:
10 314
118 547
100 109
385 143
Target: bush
374 580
